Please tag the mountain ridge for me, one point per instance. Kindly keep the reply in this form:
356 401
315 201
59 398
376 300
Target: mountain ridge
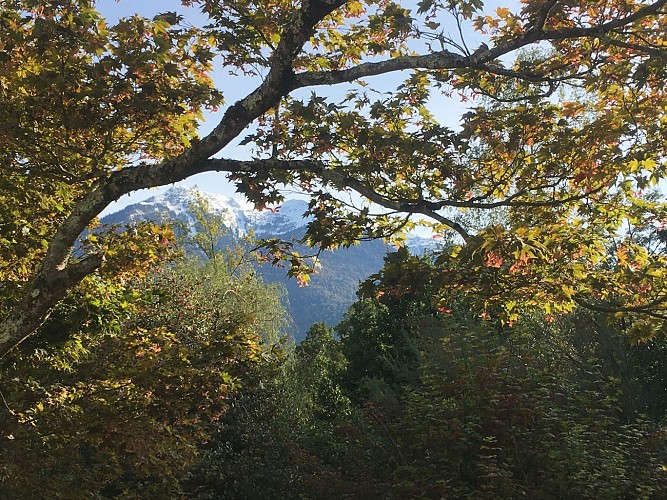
239 215
330 292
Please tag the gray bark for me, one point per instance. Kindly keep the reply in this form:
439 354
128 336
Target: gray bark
57 274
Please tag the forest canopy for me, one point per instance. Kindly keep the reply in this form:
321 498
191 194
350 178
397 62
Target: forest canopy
525 357
562 138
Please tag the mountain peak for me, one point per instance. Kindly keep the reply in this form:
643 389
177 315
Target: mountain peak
238 214
329 294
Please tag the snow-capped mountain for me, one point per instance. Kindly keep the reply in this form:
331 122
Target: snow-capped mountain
330 292
239 215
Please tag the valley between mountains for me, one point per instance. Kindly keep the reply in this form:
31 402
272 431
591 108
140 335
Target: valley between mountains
330 292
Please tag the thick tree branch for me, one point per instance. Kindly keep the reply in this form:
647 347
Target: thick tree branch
648 49
44 292
436 61
38 303
450 60
280 81
647 309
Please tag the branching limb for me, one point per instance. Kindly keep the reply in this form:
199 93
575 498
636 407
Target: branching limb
49 288
56 275
37 305
647 309
449 60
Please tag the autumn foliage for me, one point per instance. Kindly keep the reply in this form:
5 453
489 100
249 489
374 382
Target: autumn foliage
529 137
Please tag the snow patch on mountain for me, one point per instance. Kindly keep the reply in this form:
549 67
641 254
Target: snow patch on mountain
420 245
282 219
239 215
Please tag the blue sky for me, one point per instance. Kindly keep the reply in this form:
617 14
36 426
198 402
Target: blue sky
447 110
215 183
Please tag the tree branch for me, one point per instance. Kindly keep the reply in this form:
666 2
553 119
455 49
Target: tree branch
646 309
543 14
449 60
37 305
57 273
49 288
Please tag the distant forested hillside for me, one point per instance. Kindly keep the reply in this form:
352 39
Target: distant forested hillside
333 289
329 293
